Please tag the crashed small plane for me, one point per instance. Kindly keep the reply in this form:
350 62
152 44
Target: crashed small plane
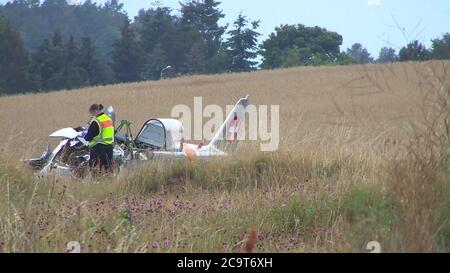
157 139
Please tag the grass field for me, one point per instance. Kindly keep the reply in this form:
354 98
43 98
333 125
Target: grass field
363 157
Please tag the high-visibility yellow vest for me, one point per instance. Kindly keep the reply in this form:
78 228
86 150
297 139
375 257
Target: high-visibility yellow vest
106 131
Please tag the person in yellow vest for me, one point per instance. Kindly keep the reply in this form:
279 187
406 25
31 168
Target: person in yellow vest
100 135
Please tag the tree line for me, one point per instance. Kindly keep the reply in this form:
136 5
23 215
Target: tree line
299 45
53 45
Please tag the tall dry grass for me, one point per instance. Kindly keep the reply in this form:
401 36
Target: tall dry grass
317 100
362 158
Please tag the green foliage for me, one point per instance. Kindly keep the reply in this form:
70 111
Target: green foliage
345 59
369 207
126 56
89 61
190 43
154 63
441 47
158 41
445 233
48 65
219 63
387 55
301 214
14 60
204 17
243 44
372 214
155 26
293 45
73 75
56 65
414 51
88 44
38 21
293 56
360 54
442 188
196 59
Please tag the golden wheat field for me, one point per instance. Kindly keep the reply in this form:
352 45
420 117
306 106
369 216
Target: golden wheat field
362 158
322 101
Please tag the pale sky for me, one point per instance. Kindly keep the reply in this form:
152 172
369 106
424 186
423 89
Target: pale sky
370 22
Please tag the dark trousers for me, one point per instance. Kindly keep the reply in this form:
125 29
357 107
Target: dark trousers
101 158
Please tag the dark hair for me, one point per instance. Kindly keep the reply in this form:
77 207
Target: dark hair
96 107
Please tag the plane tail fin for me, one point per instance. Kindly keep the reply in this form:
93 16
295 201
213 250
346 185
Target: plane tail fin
227 137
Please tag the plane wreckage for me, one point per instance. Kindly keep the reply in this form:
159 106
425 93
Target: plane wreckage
157 139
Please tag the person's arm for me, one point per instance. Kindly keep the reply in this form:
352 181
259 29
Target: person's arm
93 131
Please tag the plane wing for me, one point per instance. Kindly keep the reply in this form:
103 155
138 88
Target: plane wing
68 133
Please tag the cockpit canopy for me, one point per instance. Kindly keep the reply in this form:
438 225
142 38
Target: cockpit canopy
162 134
